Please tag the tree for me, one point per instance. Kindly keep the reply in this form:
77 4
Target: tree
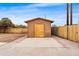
54 25
6 22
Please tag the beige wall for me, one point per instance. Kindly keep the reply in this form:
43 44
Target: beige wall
31 27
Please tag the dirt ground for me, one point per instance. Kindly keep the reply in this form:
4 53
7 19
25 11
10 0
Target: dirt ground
10 37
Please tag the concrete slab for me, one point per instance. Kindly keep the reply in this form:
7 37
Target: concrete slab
2 43
39 42
40 47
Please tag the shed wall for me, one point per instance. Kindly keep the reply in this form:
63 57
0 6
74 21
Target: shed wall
31 27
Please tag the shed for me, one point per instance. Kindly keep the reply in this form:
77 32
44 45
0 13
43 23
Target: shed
39 27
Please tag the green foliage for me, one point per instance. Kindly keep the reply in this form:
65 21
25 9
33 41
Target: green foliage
54 25
6 22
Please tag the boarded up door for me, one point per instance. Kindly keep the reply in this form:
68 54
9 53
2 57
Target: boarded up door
39 30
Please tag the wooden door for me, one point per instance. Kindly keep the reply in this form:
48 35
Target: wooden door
39 30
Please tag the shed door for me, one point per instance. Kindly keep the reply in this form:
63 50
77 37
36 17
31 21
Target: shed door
39 30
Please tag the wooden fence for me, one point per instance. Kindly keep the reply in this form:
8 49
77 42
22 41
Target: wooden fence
14 30
71 32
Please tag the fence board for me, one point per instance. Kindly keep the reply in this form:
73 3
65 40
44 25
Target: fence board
15 30
73 32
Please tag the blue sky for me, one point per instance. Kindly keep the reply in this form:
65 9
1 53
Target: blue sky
20 12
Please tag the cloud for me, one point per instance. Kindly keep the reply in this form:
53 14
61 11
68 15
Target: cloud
31 6
27 8
19 14
45 4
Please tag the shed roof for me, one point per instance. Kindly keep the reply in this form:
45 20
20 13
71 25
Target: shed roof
38 19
